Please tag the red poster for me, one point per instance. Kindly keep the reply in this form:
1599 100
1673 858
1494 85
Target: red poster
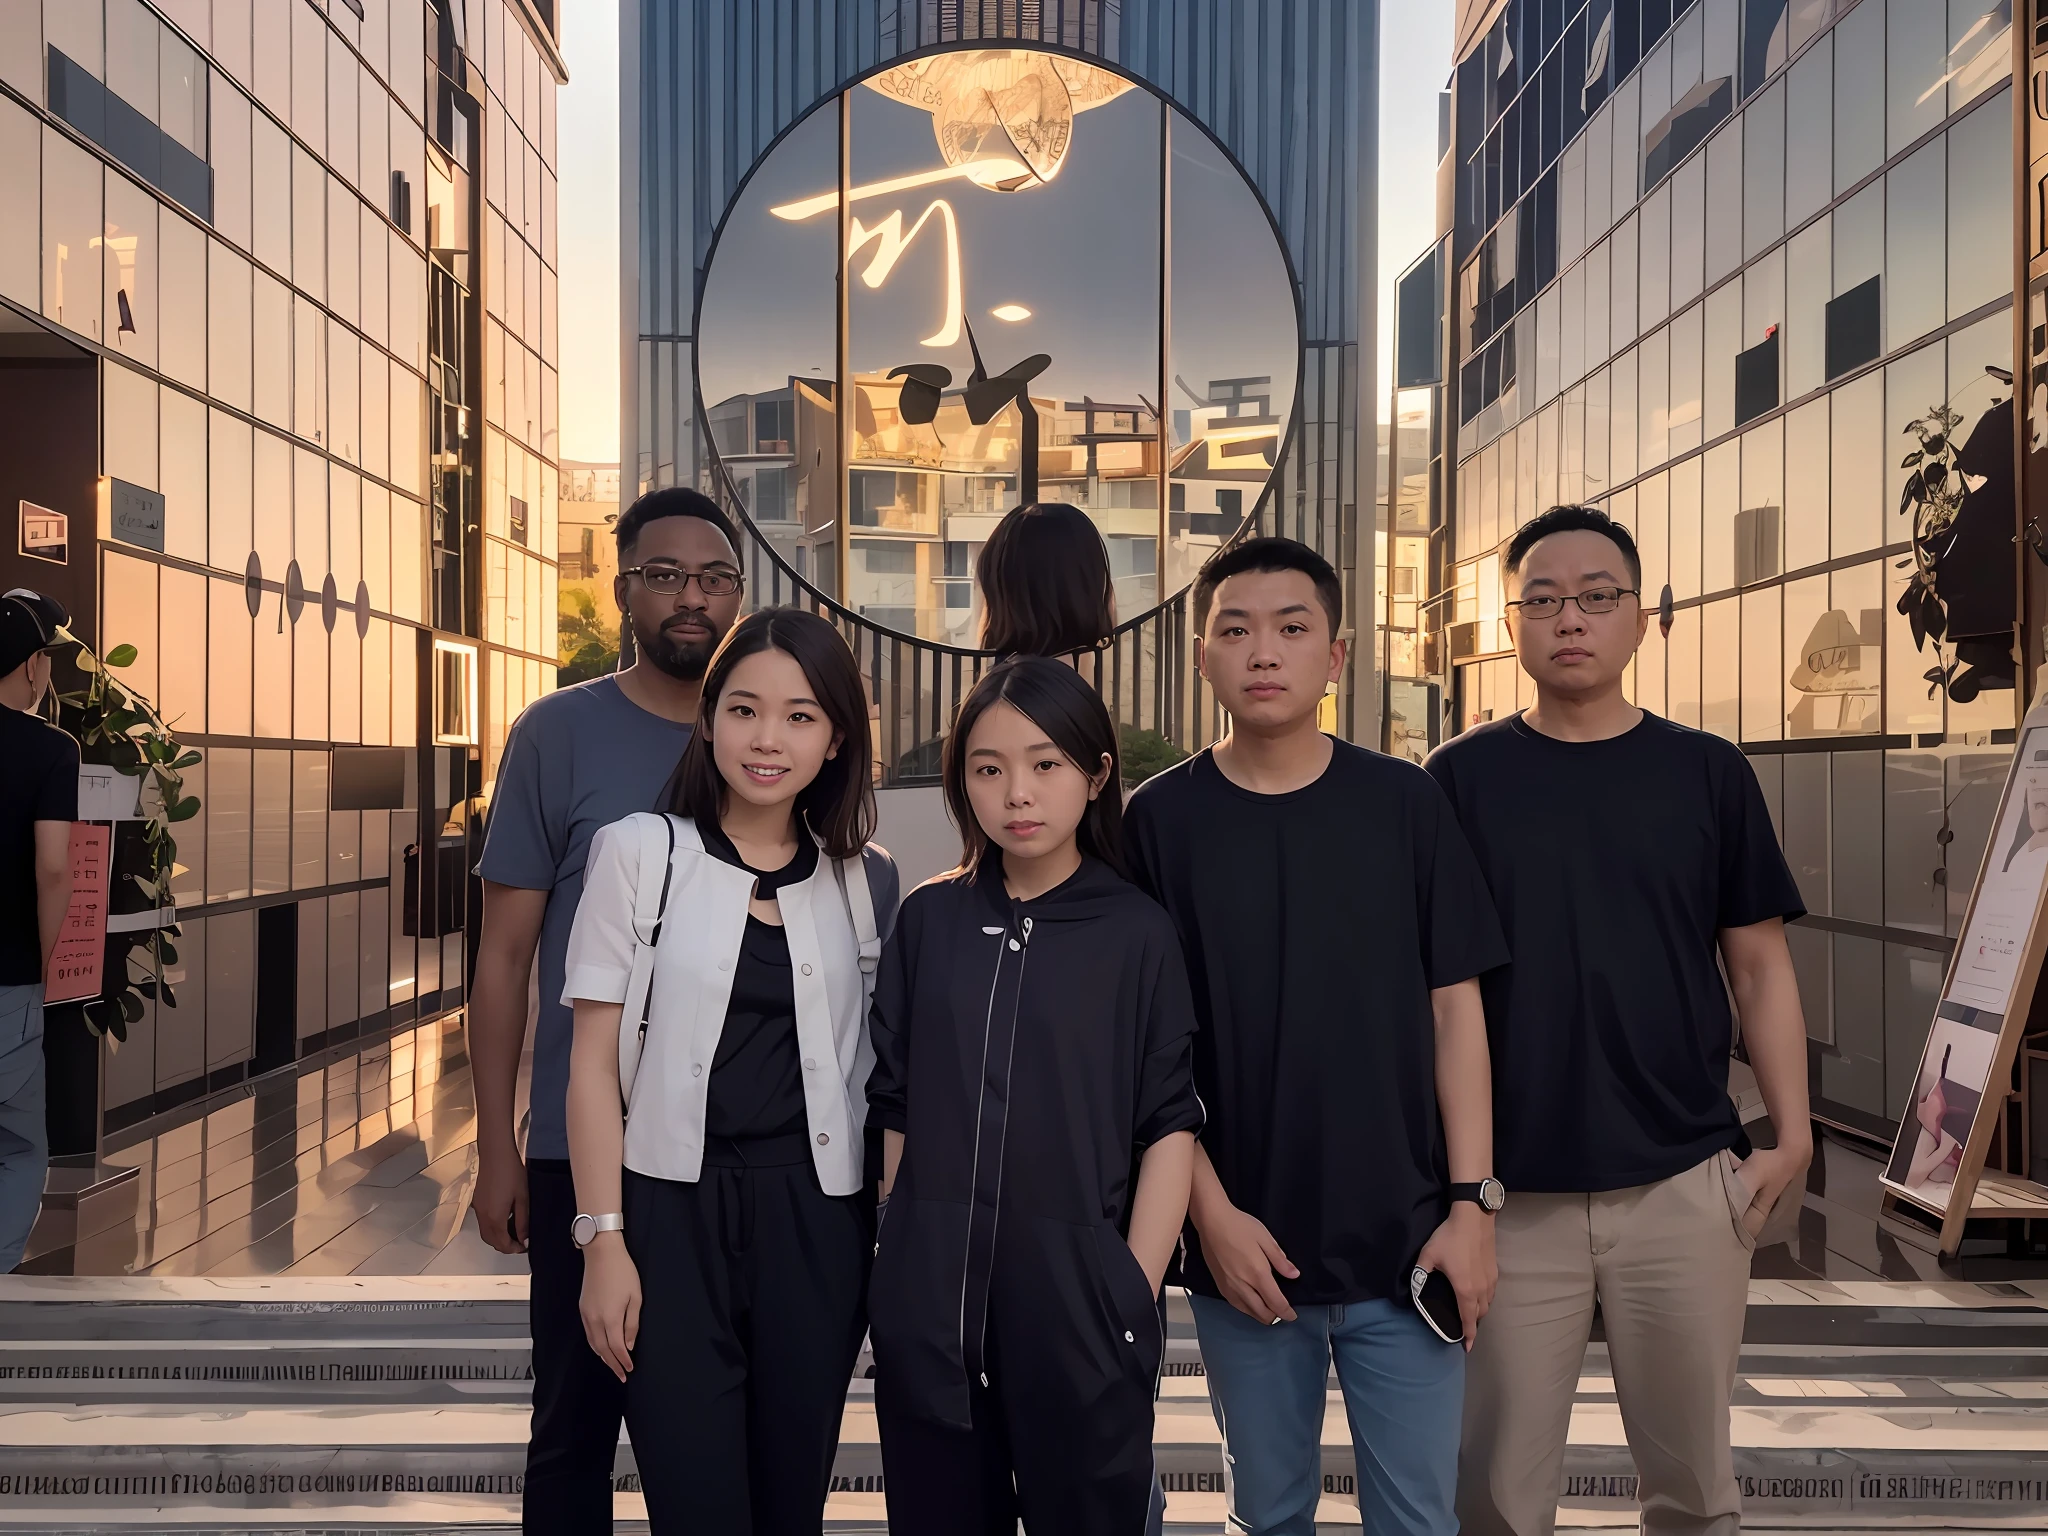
81 948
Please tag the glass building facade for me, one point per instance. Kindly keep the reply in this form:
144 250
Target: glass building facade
288 268
1705 264
1075 250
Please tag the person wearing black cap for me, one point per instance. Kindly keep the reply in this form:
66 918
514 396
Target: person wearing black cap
37 807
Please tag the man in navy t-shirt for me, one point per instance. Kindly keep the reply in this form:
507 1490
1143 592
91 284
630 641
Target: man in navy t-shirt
577 760
1631 860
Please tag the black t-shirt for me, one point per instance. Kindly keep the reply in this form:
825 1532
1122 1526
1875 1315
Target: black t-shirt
38 782
1614 865
1316 924
757 1078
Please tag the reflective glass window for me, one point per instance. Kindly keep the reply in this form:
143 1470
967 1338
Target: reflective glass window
1763 170
1915 291
129 425
1724 202
1625 110
1684 483
72 229
1598 479
1857 447
309 517
376 707
1720 500
231 37
182 625
309 224
1688 230
1654 394
182 99
1653 292
1760 523
309 76
129 247
77 31
1599 142
1813 665
21 175
344 376
1916 69
1652 529
1809 133
1914 386
343 141
270 160
181 351
309 693
132 33
1724 334
182 456
271 825
1806 486
1980 206
1721 668
272 51
343 250
1809 281
228 810
230 452
408 548
1763 712
1571 338
376 413
1622 406
1859 112
1598 304
273 509
128 616
1682 668
1687 360
1622 274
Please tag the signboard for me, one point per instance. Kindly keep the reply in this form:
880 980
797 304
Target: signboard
80 956
1960 1090
105 795
44 535
134 515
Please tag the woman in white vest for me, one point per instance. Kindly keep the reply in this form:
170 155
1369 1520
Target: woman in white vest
717 1087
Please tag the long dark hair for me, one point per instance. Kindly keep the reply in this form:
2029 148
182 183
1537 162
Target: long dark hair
839 804
1052 697
1045 583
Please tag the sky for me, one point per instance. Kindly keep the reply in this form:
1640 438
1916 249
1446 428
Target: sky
1415 53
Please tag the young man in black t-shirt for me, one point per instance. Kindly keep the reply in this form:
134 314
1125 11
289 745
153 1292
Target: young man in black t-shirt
1334 923
37 807
1630 860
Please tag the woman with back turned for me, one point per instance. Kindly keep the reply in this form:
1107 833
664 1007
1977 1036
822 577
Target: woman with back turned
1045 584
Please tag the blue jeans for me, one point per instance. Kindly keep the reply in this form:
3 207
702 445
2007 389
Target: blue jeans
1404 1392
24 1130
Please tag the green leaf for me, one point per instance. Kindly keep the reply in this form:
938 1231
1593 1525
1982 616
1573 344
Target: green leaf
122 656
1912 458
184 810
118 1025
167 997
131 1010
166 950
188 760
86 661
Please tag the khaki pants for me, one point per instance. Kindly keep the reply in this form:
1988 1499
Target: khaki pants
1668 1264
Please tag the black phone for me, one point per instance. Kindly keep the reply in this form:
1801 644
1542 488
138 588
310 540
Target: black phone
1437 1301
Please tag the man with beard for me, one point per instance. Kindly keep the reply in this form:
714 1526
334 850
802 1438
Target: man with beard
578 759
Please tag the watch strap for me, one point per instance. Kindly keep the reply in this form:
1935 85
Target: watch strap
611 1221
1475 1192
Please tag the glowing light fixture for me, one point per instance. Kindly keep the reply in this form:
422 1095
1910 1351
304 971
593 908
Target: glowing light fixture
1007 105
1011 312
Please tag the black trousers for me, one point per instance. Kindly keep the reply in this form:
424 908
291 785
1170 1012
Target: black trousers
754 1299
577 1402
1034 1454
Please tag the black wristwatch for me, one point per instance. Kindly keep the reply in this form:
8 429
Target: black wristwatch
1488 1194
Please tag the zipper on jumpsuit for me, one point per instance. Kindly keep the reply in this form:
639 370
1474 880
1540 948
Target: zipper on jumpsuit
991 1135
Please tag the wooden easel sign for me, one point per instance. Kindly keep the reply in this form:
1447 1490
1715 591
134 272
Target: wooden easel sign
1960 1091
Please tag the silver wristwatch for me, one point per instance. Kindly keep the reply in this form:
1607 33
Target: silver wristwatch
584 1229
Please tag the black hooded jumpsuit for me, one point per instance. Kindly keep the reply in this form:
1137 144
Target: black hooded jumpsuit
1029 1052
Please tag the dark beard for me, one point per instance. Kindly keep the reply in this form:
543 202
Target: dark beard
684 660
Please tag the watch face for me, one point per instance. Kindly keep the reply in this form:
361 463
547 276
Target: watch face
582 1230
1492 1194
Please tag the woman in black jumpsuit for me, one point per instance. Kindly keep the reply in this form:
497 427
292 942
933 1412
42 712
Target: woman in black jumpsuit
1029 1052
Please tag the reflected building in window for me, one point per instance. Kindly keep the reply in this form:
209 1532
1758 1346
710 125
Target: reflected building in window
285 273
1708 263
946 259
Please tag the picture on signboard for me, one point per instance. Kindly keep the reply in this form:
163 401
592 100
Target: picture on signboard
1949 1089
44 535
2015 873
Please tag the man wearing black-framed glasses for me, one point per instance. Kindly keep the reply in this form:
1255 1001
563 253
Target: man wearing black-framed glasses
579 759
1631 861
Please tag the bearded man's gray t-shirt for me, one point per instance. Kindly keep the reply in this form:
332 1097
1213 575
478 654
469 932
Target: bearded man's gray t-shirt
576 760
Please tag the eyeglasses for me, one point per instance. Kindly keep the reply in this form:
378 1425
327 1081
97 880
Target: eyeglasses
672 579
1599 600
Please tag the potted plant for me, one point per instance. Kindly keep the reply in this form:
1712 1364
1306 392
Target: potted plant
116 726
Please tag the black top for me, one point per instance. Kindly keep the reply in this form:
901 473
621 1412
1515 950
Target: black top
1316 924
1028 1051
1614 865
757 1076
39 768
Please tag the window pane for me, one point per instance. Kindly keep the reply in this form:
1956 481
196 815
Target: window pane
1809 283
270 158
182 275
1688 230
1622 407
1809 133
1720 491
72 230
273 351
1687 359
182 695
1859 111
309 76
227 821
1623 274
271 811
1682 668
1980 206
1813 662
309 224
128 617
130 250
1721 657
344 248
1857 441
1916 59
1653 537
1763 717
1724 335
1806 487
1724 202
1654 386
1915 279
229 338
130 425
1760 525
1763 170
182 455
1654 289
227 659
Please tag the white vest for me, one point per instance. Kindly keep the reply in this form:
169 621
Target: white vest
666 1074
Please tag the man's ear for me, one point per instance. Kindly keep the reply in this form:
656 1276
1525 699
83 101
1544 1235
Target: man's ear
1338 650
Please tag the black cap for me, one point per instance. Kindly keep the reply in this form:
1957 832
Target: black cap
28 623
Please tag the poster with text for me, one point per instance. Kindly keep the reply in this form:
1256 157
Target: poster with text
80 956
1955 1068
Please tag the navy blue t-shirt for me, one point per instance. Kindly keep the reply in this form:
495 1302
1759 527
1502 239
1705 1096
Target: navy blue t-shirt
1614 865
577 759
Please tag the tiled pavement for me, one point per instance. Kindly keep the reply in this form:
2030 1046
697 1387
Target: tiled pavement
358 1165
362 1164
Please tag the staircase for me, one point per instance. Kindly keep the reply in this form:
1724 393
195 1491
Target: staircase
399 1405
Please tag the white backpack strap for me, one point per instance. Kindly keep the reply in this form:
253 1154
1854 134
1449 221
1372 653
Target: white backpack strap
860 906
650 903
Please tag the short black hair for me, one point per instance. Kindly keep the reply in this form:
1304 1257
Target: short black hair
1046 586
675 501
1270 554
1572 519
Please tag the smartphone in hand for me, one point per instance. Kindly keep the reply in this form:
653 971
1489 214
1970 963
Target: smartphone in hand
1437 1301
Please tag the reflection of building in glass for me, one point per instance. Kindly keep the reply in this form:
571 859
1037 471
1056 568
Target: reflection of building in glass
1027 235
290 269
1706 273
